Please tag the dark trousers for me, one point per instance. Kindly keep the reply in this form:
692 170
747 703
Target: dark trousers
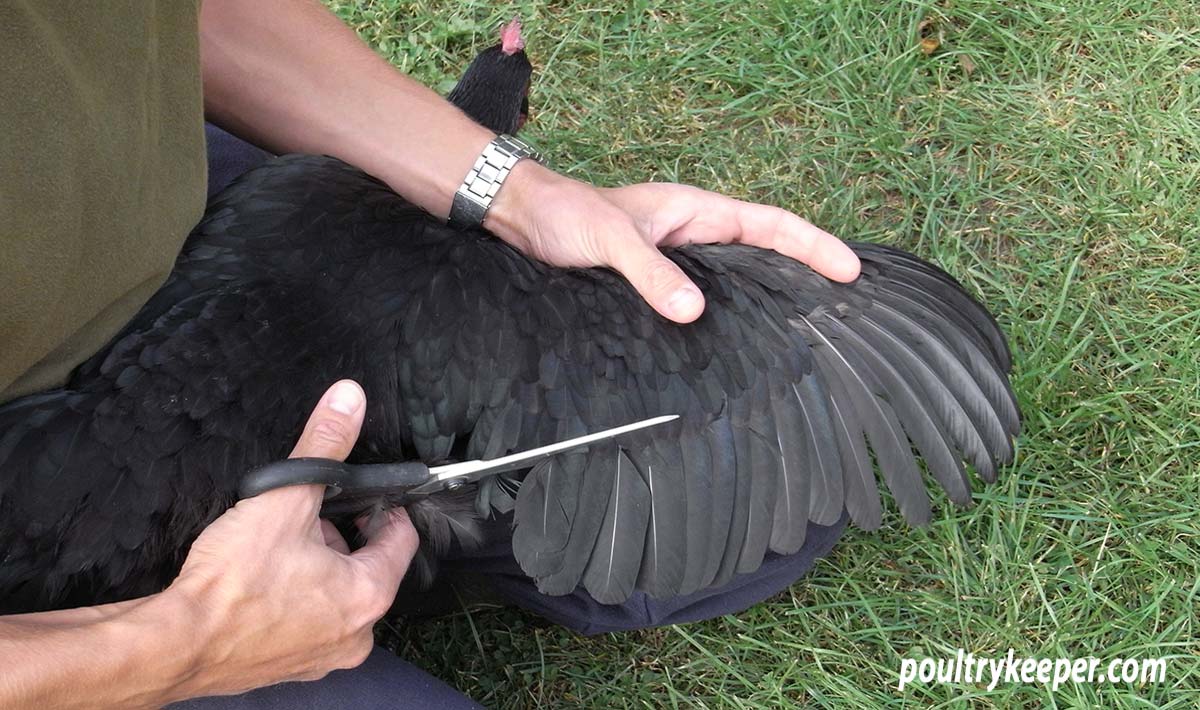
386 681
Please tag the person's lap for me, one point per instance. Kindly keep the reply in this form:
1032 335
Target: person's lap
385 680
382 681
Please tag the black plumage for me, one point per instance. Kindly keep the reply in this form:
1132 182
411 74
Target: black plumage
792 389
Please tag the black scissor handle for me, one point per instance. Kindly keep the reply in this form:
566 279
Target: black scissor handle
338 476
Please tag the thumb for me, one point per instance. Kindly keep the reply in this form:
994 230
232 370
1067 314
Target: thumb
334 424
663 284
389 550
330 433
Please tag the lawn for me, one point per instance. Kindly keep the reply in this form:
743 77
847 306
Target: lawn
1045 153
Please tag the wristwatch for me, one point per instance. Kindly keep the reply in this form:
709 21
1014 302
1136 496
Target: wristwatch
491 169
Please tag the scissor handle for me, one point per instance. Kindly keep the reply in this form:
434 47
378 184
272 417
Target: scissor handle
338 476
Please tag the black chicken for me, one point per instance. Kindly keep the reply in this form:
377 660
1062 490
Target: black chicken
793 389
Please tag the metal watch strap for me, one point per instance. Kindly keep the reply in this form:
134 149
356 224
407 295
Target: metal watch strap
491 169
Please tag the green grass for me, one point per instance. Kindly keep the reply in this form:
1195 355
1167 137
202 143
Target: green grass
1048 155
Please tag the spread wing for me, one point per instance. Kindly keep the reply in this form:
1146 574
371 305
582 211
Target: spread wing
794 392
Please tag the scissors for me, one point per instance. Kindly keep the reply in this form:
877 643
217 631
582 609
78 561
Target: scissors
409 479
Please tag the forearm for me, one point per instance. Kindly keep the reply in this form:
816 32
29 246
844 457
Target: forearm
292 77
116 655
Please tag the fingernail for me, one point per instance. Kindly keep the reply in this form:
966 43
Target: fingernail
345 398
684 301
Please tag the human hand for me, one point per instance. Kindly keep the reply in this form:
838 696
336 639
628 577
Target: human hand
279 595
569 223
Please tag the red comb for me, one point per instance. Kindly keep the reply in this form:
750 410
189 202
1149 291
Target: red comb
511 41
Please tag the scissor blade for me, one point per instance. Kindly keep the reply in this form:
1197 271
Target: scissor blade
474 470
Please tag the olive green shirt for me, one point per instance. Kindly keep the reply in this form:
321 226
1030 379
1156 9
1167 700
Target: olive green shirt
102 172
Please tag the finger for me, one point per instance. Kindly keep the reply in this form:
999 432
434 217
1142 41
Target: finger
388 552
663 284
372 521
333 538
334 424
774 228
330 433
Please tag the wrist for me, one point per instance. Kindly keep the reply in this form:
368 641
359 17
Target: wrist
511 217
169 629
197 606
